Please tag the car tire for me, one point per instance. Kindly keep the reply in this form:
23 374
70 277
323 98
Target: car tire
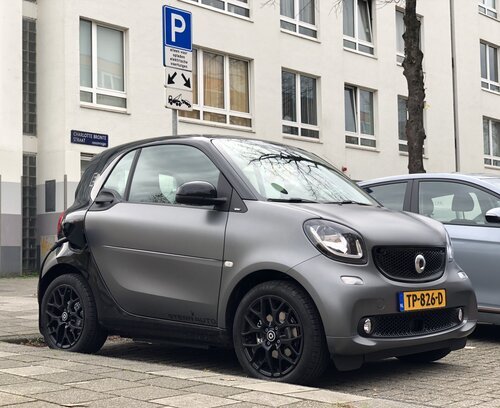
68 316
426 357
278 334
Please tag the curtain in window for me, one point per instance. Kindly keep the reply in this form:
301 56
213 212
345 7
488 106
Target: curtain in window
308 109
288 92
400 29
85 53
364 21
366 112
110 59
495 136
287 8
238 85
348 17
486 136
213 78
489 3
402 116
493 62
306 11
350 110
484 64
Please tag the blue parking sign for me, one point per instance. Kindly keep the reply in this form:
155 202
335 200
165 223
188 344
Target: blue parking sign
177 28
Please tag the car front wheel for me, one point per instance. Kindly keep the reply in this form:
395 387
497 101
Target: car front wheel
68 316
278 334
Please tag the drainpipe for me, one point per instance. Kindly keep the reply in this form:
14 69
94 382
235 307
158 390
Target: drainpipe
454 86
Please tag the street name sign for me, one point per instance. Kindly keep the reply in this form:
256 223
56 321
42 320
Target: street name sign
178 58
89 138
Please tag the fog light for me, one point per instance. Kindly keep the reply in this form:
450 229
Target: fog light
460 315
352 280
462 275
367 326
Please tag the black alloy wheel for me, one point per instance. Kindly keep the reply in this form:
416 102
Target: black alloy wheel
272 336
278 334
68 316
64 316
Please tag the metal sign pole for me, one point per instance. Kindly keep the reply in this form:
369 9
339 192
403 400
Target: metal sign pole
174 122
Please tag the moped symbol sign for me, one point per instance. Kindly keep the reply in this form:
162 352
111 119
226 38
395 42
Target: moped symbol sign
178 57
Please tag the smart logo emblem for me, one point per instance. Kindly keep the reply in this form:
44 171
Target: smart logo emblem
178 58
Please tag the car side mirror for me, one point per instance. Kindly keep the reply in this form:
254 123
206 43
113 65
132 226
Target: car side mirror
493 215
198 193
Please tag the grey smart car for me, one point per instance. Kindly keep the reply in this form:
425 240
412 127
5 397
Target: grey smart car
252 245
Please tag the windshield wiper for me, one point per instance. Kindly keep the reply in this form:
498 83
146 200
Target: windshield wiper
291 200
347 202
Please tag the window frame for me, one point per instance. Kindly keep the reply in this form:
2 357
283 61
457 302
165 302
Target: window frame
298 23
357 115
225 11
356 40
201 108
29 70
298 109
95 89
486 83
490 157
486 10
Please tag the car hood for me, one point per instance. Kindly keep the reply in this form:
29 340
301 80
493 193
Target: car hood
381 226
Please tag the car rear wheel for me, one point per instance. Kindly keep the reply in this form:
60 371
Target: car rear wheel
426 357
68 316
278 334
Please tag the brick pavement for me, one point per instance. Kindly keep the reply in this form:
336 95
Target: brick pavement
129 374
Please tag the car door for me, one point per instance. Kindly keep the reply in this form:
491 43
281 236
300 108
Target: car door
159 258
476 242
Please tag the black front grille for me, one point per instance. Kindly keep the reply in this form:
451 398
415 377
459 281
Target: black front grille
411 323
398 263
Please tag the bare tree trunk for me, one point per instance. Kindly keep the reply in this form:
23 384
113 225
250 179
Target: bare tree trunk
413 72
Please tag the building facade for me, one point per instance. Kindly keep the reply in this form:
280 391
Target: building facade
322 75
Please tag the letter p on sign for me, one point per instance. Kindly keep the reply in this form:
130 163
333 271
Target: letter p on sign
177 28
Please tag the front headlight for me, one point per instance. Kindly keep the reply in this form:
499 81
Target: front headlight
336 241
449 248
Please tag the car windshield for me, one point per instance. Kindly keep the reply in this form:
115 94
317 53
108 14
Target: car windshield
282 173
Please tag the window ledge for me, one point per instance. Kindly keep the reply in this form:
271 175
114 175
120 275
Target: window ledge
105 108
490 91
366 148
490 17
364 54
489 166
215 124
305 37
405 154
227 13
302 138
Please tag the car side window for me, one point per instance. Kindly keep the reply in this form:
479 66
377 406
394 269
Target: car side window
389 195
117 180
454 203
162 169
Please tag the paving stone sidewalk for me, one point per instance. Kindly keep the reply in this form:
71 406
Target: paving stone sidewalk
128 374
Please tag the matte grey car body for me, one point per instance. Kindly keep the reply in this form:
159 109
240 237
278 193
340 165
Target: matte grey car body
462 202
158 264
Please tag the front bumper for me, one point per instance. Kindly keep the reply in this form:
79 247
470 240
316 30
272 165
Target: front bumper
342 307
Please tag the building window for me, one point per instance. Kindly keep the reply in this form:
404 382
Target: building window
102 68
402 120
85 159
489 67
358 30
299 16
30 252
359 120
29 76
491 138
299 105
221 89
400 30
238 7
488 8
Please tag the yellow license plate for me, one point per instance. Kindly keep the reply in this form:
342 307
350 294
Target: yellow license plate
422 299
